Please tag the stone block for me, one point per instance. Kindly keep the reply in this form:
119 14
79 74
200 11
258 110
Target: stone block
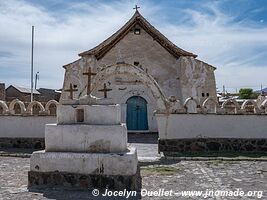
86 138
85 163
93 114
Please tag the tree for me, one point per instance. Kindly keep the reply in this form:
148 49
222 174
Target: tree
247 93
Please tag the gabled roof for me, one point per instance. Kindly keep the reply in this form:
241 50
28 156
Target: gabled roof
137 19
24 90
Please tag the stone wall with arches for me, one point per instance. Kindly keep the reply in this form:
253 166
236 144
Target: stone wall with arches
23 124
229 107
209 127
19 108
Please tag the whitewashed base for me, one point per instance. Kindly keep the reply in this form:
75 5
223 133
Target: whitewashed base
85 163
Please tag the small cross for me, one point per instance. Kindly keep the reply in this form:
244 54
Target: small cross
71 90
136 7
89 74
105 90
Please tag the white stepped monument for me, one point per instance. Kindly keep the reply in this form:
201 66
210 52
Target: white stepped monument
87 148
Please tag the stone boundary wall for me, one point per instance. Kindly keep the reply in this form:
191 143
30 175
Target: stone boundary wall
212 132
21 126
23 131
43 109
211 106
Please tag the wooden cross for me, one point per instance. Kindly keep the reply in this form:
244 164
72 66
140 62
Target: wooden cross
89 74
71 90
105 90
136 7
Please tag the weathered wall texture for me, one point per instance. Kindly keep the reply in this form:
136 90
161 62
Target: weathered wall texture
182 77
185 126
24 127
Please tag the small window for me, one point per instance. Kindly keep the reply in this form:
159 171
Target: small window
80 115
203 94
75 86
208 94
136 63
137 31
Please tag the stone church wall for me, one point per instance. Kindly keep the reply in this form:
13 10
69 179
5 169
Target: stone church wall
182 77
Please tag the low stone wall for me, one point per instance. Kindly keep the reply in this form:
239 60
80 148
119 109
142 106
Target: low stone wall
23 131
212 132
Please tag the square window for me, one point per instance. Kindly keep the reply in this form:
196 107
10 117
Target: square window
137 31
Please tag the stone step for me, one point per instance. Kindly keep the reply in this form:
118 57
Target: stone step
86 138
124 163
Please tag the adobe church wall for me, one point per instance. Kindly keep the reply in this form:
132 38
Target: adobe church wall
145 52
197 79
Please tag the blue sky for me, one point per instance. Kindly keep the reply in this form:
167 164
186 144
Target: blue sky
230 35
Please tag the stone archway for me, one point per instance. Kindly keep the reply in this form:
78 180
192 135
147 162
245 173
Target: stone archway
3 107
51 107
149 81
33 103
17 102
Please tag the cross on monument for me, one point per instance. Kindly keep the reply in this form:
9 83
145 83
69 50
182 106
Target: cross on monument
71 90
89 73
105 90
136 7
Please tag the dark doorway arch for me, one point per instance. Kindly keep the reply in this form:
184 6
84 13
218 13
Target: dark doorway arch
136 117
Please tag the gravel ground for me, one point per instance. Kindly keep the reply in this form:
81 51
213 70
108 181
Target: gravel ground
168 175
172 176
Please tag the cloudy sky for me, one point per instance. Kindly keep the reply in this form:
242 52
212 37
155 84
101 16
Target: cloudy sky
230 35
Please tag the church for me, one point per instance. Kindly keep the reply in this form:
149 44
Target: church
176 71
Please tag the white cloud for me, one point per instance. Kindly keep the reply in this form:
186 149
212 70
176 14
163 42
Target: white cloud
236 49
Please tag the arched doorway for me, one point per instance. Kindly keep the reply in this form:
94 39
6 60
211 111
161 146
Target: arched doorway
136 117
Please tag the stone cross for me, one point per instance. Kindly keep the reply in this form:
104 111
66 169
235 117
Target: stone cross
89 74
105 90
71 90
136 7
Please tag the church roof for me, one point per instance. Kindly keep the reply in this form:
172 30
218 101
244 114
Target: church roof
137 19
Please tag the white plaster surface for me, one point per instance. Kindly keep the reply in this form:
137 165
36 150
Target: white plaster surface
86 138
179 126
182 77
24 127
85 163
93 114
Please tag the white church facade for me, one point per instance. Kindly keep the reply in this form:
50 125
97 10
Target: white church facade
177 72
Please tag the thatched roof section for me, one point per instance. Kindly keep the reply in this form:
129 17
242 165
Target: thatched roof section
137 19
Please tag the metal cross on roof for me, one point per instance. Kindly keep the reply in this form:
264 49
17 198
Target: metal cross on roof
105 90
136 7
71 90
89 73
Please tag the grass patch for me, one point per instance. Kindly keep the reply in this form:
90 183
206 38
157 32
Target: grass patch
160 170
